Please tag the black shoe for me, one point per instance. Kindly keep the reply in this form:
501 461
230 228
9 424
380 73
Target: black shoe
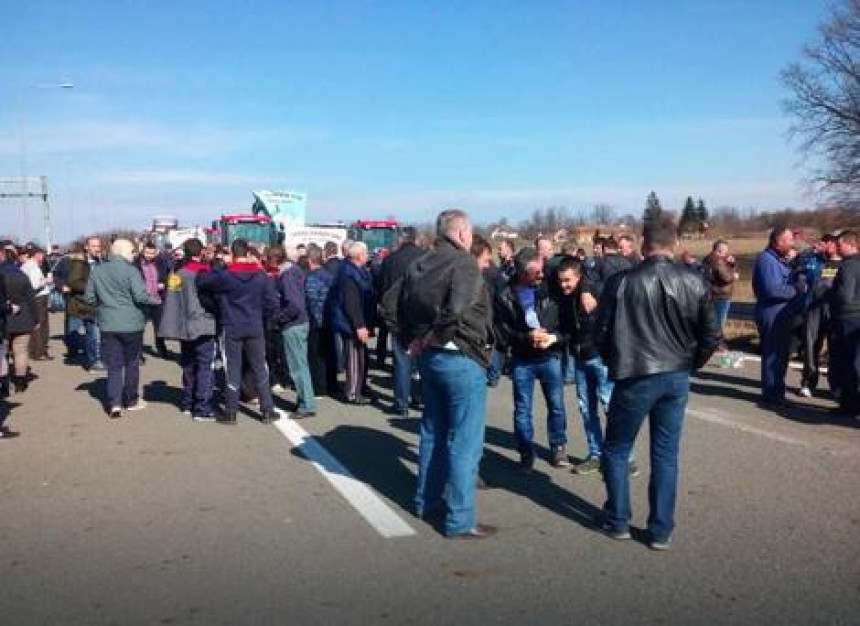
303 414
203 416
271 416
115 413
228 419
20 384
479 531
360 401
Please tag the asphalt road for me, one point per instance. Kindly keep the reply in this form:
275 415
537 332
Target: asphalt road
155 519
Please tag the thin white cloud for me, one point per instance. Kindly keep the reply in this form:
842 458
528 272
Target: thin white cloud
199 140
181 177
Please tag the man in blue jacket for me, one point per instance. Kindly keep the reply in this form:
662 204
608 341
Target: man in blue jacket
245 297
775 311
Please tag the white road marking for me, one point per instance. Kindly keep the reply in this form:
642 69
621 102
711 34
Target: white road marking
791 364
369 505
714 418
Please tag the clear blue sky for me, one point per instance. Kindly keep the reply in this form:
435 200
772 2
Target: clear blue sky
378 108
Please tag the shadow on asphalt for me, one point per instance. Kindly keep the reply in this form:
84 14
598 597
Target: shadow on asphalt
160 392
376 458
97 388
796 412
501 472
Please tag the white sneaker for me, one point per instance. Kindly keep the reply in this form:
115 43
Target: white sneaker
805 392
137 406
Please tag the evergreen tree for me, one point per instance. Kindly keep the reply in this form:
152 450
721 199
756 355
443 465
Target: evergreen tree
653 209
702 216
689 219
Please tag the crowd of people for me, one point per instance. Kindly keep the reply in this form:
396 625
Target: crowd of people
626 330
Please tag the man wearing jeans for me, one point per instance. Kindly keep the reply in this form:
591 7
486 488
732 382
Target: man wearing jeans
446 316
527 321
593 387
656 324
294 334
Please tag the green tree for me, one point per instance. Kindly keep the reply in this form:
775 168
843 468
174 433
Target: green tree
653 208
702 216
689 218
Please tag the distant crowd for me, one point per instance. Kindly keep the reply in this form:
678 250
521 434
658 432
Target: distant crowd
626 326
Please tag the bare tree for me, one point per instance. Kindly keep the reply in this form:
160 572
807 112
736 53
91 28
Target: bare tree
602 213
825 103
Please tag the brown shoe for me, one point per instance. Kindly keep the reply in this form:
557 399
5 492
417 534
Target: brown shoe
8 433
479 531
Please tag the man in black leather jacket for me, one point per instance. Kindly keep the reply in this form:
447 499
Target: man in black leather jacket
656 324
527 322
394 267
444 314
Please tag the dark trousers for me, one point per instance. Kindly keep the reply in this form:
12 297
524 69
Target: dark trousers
153 314
815 329
332 362
356 367
381 346
318 356
254 349
845 363
40 336
196 358
276 359
121 355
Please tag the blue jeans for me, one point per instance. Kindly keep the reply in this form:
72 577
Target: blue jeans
593 388
663 398
721 307
568 367
547 370
296 348
451 436
407 381
77 344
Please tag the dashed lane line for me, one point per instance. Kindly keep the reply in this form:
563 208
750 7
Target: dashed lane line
362 498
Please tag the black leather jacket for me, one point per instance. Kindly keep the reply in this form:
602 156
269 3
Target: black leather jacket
512 330
444 292
656 318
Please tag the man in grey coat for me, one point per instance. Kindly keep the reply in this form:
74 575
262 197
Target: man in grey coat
184 318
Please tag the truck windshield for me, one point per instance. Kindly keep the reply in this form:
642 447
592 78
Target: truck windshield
376 238
251 232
